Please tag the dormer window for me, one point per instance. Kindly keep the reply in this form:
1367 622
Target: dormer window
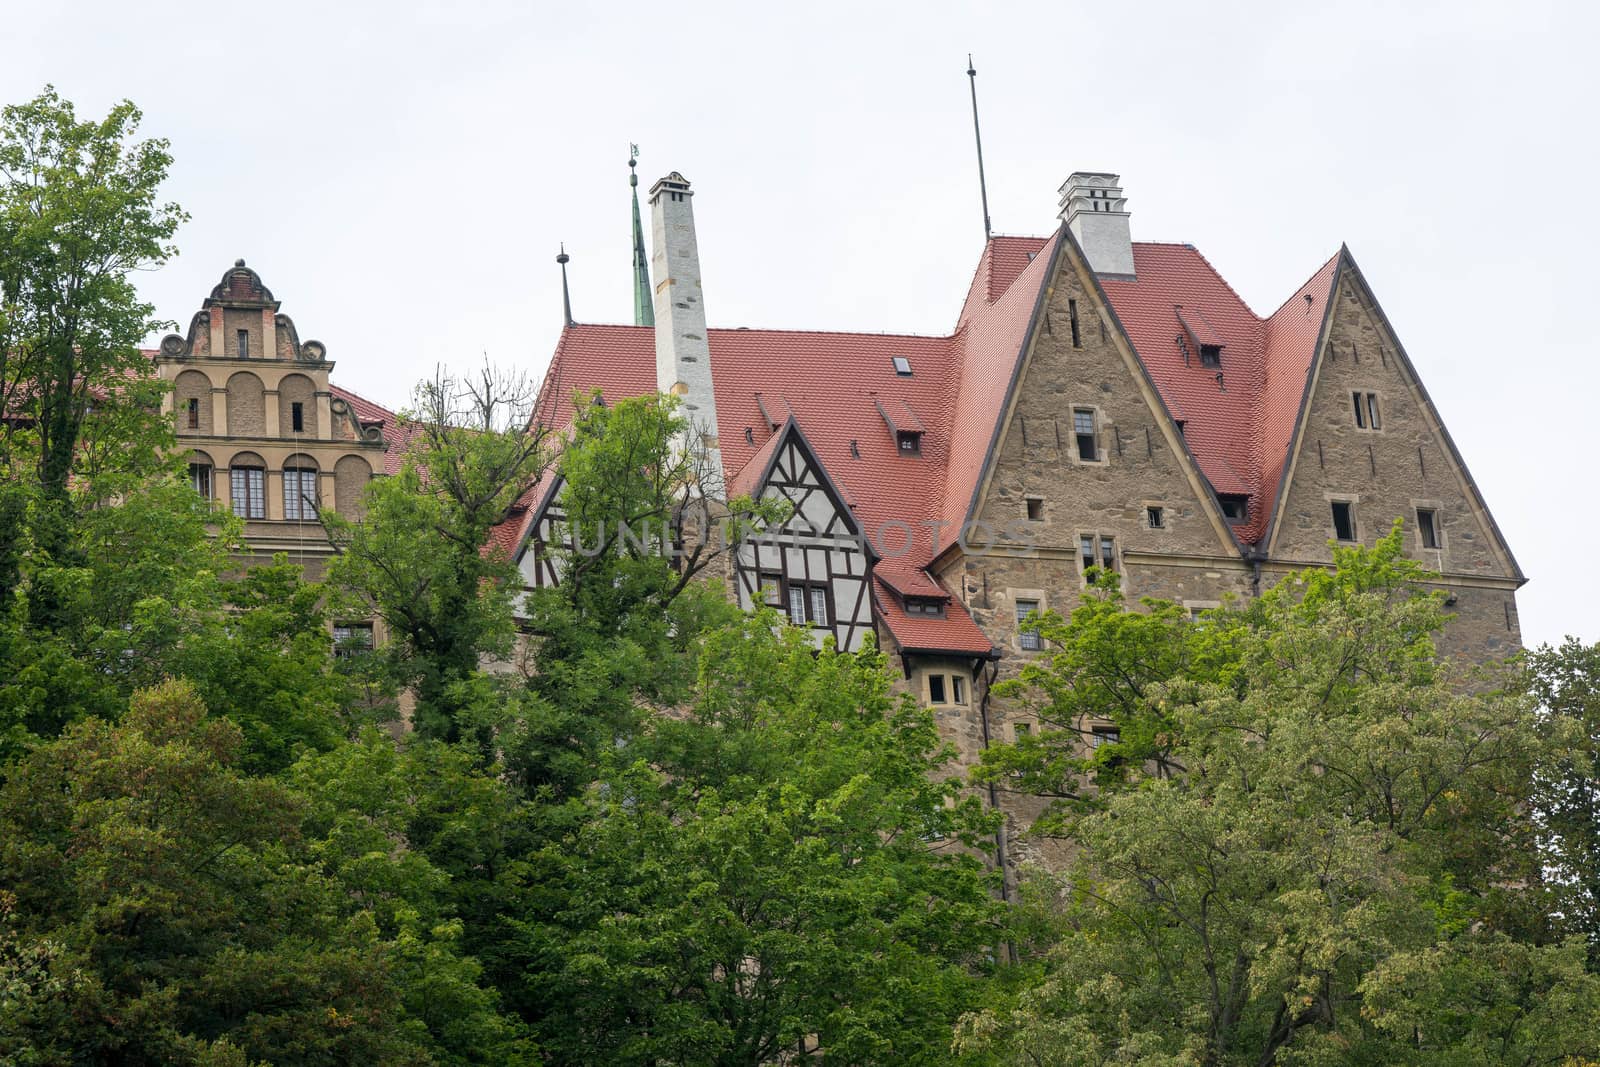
902 366
1211 355
921 605
1235 506
909 442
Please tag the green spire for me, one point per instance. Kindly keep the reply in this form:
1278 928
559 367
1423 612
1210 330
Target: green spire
644 311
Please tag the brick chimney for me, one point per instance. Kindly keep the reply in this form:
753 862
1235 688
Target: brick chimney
683 354
1094 209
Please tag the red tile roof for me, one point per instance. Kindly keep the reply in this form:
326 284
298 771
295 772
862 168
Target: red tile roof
842 391
397 433
955 632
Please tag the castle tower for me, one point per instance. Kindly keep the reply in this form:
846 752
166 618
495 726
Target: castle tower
683 354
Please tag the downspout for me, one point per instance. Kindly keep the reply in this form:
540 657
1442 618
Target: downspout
994 792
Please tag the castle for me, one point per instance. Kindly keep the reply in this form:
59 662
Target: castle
1101 402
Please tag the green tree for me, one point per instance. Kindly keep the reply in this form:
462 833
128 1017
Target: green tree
778 871
1566 682
80 210
165 906
1347 818
418 557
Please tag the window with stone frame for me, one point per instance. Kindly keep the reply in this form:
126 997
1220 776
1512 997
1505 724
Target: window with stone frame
1366 408
1097 550
1084 430
1028 640
1156 516
1428 527
248 492
936 689
1344 519
352 639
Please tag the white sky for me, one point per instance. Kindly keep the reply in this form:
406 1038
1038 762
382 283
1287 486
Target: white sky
400 174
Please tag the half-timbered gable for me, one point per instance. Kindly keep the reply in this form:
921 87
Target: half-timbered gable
541 558
815 566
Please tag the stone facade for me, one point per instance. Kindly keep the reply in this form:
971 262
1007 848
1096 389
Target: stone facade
238 377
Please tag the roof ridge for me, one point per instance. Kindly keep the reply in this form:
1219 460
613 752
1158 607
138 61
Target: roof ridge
353 395
1309 279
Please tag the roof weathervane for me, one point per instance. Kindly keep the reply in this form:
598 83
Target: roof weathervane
644 311
983 188
566 297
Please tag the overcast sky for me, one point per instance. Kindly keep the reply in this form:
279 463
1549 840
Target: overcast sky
401 174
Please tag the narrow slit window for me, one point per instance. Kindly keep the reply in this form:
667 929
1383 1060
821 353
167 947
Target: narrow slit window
1072 314
194 413
1086 551
1084 429
1028 640
958 689
1108 554
1372 412
1344 520
297 416
1428 527
1035 509
243 340
1366 407
936 689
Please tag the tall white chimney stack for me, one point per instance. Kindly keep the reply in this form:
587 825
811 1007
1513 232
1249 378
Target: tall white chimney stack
683 354
1094 209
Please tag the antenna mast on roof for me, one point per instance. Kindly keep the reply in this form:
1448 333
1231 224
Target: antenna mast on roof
983 188
566 297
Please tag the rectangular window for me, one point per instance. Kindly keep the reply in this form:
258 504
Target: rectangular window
243 339
1428 527
770 585
936 689
1083 428
808 604
1095 551
797 605
1103 735
299 493
1035 509
249 492
1235 506
1155 517
194 413
1072 316
352 638
902 366
1029 640
1344 520
819 606
297 416
1366 405
909 442
1211 355
958 689
200 478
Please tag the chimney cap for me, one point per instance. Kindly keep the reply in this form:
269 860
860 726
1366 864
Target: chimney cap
672 183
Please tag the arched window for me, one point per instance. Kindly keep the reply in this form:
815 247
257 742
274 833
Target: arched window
200 470
247 485
300 488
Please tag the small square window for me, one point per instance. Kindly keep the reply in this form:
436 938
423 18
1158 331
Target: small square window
1211 355
909 442
902 366
1366 408
352 639
1344 520
1156 517
1428 527
1083 428
936 689
1021 730
1235 506
1103 735
1028 640
1035 509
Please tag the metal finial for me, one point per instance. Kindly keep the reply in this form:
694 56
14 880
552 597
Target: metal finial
566 296
983 187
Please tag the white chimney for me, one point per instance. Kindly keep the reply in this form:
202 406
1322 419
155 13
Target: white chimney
683 354
1094 209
